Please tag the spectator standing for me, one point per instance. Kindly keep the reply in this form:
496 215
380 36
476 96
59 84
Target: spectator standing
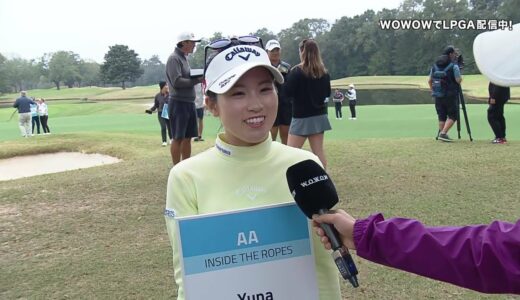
308 84
284 115
23 105
43 113
352 101
338 98
498 97
35 119
160 99
200 107
181 104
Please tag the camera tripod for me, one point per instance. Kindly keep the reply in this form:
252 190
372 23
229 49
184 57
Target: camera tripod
461 104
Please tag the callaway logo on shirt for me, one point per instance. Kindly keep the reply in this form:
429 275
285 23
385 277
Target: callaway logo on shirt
250 191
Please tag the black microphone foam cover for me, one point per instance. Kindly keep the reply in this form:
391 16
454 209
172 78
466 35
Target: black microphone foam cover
311 187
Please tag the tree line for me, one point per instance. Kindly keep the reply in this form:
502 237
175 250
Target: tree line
358 46
351 46
122 66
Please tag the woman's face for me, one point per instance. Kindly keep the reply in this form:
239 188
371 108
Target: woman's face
248 109
164 90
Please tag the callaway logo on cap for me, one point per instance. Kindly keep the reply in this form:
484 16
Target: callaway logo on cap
242 52
228 66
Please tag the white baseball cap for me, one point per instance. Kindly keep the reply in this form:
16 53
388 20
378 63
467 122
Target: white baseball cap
272 44
226 68
351 85
187 36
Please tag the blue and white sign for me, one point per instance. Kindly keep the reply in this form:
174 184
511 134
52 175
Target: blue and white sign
259 253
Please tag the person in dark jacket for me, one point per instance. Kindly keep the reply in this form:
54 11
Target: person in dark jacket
498 96
308 84
283 117
484 258
160 99
23 104
338 98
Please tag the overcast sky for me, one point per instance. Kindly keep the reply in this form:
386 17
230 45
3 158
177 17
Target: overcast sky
30 28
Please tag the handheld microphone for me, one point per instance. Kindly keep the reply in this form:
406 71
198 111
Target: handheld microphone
315 193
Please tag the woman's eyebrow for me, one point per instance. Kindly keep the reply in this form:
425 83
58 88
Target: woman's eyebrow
240 85
267 81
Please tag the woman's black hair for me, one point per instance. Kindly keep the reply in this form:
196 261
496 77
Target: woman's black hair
212 95
162 84
448 50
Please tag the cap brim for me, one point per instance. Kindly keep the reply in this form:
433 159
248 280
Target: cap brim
191 40
227 80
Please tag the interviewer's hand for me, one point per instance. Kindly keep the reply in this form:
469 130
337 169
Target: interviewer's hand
344 224
492 101
148 111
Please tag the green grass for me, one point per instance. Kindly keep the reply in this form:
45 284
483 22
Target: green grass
63 93
377 121
99 232
415 121
104 116
473 85
134 92
88 92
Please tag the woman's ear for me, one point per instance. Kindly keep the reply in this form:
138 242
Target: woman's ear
212 106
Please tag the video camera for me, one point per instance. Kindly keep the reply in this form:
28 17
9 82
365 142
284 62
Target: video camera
459 58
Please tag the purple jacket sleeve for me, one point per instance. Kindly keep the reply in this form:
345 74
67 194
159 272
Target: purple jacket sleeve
485 258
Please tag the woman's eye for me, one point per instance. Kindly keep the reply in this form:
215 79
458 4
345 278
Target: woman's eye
266 89
237 94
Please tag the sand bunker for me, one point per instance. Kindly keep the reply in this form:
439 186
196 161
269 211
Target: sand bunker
26 166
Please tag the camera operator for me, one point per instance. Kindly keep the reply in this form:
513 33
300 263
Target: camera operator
444 82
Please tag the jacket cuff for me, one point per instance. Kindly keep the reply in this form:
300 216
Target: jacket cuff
361 226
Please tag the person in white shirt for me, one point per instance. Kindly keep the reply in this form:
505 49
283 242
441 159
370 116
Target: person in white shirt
351 95
43 113
199 108
35 119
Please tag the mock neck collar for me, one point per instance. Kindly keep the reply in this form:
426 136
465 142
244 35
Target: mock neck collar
243 153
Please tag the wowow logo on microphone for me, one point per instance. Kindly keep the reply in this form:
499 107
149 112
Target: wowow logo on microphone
311 187
314 180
